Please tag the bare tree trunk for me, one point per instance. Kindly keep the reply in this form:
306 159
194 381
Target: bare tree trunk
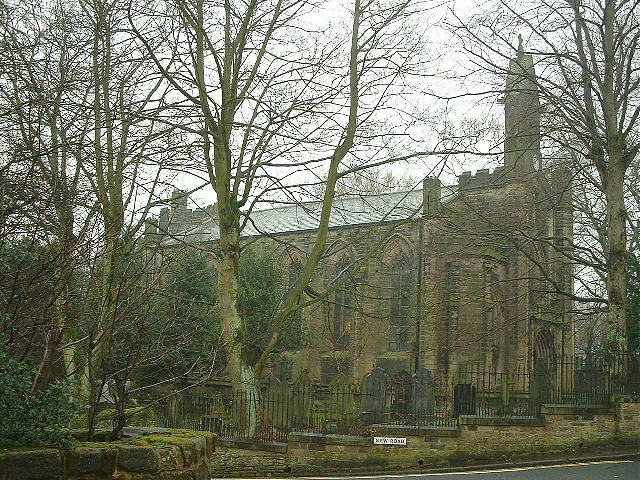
241 373
64 269
619 328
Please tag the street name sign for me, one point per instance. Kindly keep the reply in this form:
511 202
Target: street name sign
389 441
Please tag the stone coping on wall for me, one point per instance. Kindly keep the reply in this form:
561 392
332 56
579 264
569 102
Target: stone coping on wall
275 447
626 398
500 421
414 430
562 409
331 439
178 454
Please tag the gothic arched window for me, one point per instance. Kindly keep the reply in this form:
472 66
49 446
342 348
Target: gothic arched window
295 330
343 307
401 290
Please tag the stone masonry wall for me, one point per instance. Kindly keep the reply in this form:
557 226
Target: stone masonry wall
578 426
628 415
234 459
560 429
186 458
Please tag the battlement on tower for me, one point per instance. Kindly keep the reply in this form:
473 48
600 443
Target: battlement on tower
482 178
177 218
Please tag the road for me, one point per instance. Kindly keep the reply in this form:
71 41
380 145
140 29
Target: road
619 470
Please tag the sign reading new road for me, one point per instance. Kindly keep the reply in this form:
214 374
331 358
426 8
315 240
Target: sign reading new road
389 441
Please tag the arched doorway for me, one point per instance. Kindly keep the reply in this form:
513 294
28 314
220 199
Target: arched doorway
544 368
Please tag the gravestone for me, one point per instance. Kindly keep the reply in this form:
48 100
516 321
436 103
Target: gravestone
374 395
342 398
591 385
277 405
465 399
539 390
422 394
301 400
401 392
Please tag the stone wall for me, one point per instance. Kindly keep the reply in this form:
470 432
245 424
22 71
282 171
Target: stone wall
561 430
628 415
244 458
476 439
163 457
578 426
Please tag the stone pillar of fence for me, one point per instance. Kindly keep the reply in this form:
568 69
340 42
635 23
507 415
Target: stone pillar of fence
628 417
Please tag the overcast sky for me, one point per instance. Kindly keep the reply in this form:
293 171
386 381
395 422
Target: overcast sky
447 77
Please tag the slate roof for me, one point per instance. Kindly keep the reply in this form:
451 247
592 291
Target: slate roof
347 211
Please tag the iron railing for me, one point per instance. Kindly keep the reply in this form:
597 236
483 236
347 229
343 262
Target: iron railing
418 401
592 381
488 392
338 408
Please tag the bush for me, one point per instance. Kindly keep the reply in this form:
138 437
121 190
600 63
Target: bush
27 418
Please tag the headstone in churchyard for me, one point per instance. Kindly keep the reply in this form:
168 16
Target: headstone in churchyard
465 399
539 387
277 404
301 400
422 393
342 398
374 395
590 381
401 392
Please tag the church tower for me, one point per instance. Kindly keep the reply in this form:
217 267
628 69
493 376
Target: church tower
522 116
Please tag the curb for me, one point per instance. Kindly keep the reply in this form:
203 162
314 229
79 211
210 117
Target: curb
634 455
533 463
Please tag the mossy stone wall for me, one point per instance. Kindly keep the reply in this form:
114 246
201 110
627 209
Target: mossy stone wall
560 429
155 457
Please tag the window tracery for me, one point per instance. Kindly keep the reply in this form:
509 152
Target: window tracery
400 302
343 307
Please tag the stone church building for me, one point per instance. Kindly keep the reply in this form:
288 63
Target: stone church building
446 276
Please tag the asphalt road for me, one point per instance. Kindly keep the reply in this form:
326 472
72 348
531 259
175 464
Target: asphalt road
620 470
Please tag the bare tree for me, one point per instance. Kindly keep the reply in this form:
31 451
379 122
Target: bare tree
272 100
371 181
83 116
125 149
587 63
42 79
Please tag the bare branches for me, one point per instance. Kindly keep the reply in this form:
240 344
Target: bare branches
588 79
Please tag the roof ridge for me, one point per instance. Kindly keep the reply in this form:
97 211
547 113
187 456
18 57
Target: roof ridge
348 197
346 211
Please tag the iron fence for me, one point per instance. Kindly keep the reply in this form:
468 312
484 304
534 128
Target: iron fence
237 416
339 408
590 380
417 400
521 391
488 392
